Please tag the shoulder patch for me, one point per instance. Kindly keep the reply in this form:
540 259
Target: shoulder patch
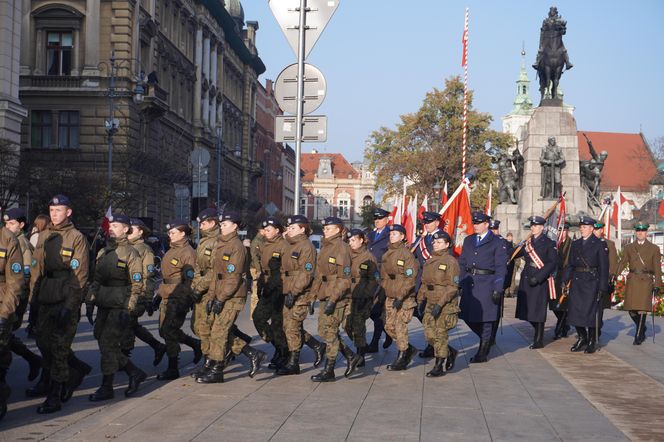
276 255
150 268
189 274
442 267
136 277
3 253
400 262
308 267
26 270
121 264
230 268
347 270
33 263
75 264
456 280
175 261
364 267
226 257
207 251
295 255
16 267
332 260
409 272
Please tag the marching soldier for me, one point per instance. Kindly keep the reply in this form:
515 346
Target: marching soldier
139 231
598 231
297 273
11 285
588 275
440 291
116 291
15 222
559 305
398 273
177 269
645 276
332 288
536 286
60 274
364 282
377 242
255 247
483 265
228 296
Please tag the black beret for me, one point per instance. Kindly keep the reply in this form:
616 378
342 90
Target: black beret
231 216
441 234
333 221
272 221
120 218
297 219
15 213
356 232
207 214
398 228
140 224
174 223
60 200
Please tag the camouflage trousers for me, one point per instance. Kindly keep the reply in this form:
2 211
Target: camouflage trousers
201 323
436 329
356 322
220 336
54 342
293 329
328 326
396 321
136 330
172 314
110 333
269 320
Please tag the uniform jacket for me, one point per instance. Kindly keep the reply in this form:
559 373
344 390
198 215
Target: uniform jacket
532 301
61 264
118 278
398 272
298 264
149 274
364 273
177 270
26 254
440 279
272 253
255 255
11 273
332 278
229 268
561 265
378 242
490 254
613 257
645 272
204 256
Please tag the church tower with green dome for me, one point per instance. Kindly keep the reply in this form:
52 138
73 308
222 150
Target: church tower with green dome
522 108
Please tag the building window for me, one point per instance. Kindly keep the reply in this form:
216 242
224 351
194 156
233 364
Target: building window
58 53
68 129
41 123
303 206
343 209
48 126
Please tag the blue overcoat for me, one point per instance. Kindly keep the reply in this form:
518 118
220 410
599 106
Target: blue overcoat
532 301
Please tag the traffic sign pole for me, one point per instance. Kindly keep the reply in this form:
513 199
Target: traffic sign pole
300 103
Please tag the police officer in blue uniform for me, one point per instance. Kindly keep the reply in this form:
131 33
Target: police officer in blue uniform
588 274
535 287
377 241
483 265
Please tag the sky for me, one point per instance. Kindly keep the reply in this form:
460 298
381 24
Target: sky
380 58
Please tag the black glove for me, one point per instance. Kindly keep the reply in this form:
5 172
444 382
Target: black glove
602 295
532 281
398 303
64 317
196 297
89 312
149 308
156 301
436 310
330 307
5 327
289 301
496 297
123 319
217 306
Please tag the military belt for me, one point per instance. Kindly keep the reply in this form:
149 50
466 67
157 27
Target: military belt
58 274
116 284
392 276
474 271
172 280
585 269
291 272
642 272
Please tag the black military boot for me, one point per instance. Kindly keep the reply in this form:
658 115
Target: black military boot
171 372
5 391
77 371
292 366
482 353
105 392
41 387
387 342
640 333
327 375
136 376
34 361
52 402
538 339
276 356
195 345
451 358
318 348
438 368
373 345
410 353
399 363
582 342
351 358
494 332
256 358
427 353
202 369
558 331
215 375
593 345
159 353
361 352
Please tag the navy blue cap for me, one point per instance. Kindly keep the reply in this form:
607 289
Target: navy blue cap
272 221
119 218
480 217
586 221
297 219
172 224
379 213
60 200
356 232
398 228
536 220
494 224
14 213
332 221
429 217
207 214
140 224
231 216
441 234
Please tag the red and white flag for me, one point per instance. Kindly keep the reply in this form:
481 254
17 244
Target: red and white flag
423 207
395 216
410 219
443 196
456 218
487 209
464 41
105 223
562 215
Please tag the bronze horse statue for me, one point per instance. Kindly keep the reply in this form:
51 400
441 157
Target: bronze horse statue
552 56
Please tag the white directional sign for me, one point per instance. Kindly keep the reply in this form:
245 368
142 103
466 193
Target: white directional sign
285 89
314 128
318 14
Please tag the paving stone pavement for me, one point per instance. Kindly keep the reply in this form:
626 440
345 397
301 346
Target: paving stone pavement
520 394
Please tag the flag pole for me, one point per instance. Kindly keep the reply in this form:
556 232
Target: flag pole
464 62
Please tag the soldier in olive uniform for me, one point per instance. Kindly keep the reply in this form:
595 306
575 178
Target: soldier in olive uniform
440 291
268 315
256 269
11 286
332 288
645 276
15 222
364 283
598 231
398 274
139 231
175 291
115 291
228 294
297 273
559 305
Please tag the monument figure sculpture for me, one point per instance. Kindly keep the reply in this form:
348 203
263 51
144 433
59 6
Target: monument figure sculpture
591 173
508 179
552 161
552 55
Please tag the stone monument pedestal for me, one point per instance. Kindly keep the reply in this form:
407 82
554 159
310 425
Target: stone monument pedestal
546 121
